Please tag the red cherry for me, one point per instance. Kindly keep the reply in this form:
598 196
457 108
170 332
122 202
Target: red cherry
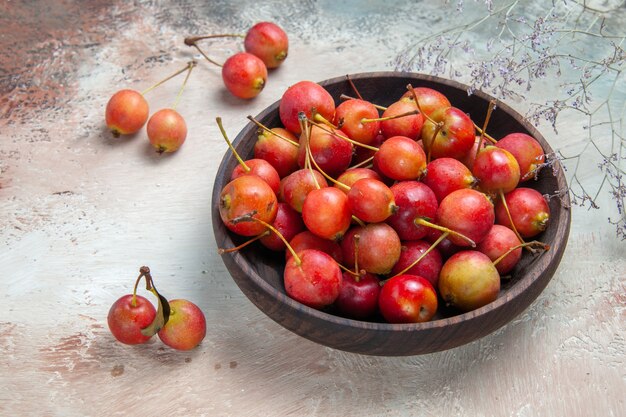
430 265
529 210
428 98
409 125
468 212
496 170
407 299
358 296
454 139
281 154
498 241
314 278
247 195
307 240
415 200
326 213
269 42
288 222
167 130
371 200
400 158
445 175
260 168
527 151
307 97
126 319
186 326
126 112
349 117
469 280
378 251
295 187
244 75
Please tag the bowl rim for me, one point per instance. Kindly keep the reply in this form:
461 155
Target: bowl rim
516 290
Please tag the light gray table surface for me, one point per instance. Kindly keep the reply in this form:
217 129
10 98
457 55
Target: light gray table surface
80 212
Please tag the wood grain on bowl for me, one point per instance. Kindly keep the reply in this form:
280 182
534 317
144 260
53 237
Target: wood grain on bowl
258 272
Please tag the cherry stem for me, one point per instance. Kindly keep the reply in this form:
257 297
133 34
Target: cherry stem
144 271
358 221
351 272
357 238
347 97
356 91
423 222
418 260
363 163
147 90
417 103
230 145
395 116
190 67
508 215
321 119
438 128
326 129
267 129
483 131
543 246
250 216
244 244
206 56
191 40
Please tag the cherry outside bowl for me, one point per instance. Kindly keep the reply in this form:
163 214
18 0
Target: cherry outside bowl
258 272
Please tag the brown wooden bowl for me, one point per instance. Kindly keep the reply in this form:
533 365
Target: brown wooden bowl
258 272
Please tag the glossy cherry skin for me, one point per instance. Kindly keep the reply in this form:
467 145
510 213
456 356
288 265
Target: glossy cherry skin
527 151
281 154
496 170
126 320
269 42
244 75
166 130
126 112
260 168
445 175
307 240
429 99
469 280
358 296
304 96
454 139
349 115
331 151
352 175
414 200
409 126
326 213
295 187
529 210
288 222
468 212
315 281
430 265
499 241
378 251
407 299
400 158
371 200
245 195
186 326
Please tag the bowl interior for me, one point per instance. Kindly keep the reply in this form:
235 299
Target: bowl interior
258 271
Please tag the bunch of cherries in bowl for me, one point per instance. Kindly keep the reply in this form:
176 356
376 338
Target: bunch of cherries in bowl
386 213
